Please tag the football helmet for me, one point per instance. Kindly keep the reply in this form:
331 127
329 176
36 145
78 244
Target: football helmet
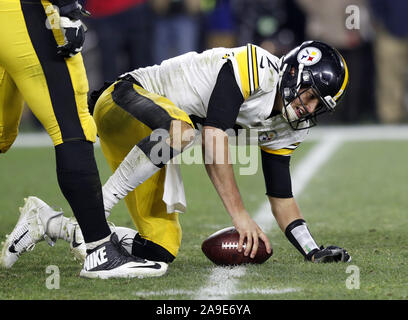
314 65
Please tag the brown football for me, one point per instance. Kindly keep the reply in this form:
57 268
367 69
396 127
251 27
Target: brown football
222 248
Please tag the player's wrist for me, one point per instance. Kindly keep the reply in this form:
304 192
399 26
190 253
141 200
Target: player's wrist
68 8
299 235
239 215
73 11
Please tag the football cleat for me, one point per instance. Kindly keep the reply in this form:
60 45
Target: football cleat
31 228
112 260
77 243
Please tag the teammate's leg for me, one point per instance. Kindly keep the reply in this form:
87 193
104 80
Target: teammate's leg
11 108
56 91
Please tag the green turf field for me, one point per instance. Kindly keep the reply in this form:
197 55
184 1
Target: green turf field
357 200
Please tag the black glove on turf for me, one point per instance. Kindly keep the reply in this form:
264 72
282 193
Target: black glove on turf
331 254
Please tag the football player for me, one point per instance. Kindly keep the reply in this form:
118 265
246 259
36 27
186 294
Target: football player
213 91
216 90
41 64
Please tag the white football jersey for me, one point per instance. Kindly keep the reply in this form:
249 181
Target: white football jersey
188 81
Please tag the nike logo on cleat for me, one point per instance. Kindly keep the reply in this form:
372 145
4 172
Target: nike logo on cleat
12 248
95 259
74 243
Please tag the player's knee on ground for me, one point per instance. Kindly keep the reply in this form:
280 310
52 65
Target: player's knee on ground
6 142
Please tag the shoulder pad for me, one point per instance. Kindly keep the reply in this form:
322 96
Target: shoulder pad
254 68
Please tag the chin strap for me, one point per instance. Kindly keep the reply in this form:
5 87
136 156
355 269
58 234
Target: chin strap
290 114
282 69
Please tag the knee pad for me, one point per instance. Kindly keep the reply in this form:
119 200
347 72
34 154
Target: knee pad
5 145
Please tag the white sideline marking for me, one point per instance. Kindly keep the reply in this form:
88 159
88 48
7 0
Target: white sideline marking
35 140
362 133
222 282
348 133
317 157
32 140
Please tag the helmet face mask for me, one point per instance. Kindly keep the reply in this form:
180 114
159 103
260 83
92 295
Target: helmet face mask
311 66
307 119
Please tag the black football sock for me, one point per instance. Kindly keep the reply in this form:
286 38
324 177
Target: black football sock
149 250
78 178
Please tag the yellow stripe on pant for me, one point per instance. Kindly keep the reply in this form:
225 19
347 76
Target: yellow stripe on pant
119 131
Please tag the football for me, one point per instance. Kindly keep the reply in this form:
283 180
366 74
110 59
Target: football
222 249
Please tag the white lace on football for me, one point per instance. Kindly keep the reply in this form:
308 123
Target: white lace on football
231 245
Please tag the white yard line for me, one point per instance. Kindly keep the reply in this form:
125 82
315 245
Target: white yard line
362 133
316 158
223 282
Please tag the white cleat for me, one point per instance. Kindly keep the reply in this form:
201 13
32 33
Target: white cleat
112 260
77 243
31 228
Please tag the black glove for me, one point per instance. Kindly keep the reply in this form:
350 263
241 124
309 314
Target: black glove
73 29
331 254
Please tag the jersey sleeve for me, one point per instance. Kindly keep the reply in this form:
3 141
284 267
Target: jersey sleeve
277 175
225 100
245 64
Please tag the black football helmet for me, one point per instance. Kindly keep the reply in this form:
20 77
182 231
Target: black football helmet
315 65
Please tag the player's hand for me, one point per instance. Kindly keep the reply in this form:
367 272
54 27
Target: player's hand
331 254
73 30
249 230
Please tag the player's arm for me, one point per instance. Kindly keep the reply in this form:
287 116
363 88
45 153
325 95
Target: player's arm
222 113
287 213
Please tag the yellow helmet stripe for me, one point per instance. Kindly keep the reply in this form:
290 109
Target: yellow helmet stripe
343 86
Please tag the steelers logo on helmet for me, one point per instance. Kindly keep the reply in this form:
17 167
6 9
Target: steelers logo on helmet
309 56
